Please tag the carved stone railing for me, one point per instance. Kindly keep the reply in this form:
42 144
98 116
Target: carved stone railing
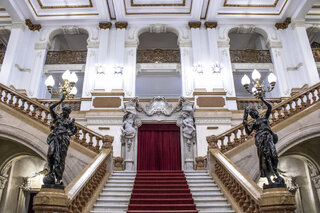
255 103
297 103
66 57
83 191
250 56
40 113
316 54
244 193
2 53
74 103
158 56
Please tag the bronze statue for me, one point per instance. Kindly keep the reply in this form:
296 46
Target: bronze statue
265 141
58 140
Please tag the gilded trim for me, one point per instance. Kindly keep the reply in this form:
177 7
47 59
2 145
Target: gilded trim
81 14
121 25
157 5
105 25
283 25
31 26
194 24
67 6
205 15
210 25
275 3
170 13
266 14
4 16
2 9
316 6
111 18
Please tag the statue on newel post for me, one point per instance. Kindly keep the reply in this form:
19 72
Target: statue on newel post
265 141
58 140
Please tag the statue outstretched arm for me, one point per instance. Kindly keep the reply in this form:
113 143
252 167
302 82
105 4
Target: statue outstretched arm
269 106
52 112
247 128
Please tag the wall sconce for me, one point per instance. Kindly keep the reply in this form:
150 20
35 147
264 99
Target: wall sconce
198 69
67 89
217 67
258 88
118 69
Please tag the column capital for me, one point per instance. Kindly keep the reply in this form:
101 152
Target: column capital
284 25
210 25
121 25
31 26
194 24
105 25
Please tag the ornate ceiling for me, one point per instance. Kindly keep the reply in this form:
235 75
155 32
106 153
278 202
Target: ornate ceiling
41 11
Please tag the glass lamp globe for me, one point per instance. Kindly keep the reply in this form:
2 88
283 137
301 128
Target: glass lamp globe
256 75
73 78
245 80
66 75
272 79
49 81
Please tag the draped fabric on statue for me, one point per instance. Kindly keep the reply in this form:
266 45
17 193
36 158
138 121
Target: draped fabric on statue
159 147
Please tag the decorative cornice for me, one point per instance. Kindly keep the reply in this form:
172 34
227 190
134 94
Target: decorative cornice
210 25
194 24
33 27
105 25
283 25
121 25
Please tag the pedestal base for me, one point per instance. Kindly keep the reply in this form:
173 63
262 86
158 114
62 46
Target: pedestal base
50 200
277 200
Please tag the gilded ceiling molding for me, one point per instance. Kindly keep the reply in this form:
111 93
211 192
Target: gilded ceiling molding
284 25
156 5
65 6
105 25
33 27
195 24
275 3
210 25
121 25
316 6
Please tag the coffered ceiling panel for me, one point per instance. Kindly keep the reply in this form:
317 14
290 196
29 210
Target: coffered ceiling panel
4 16
138 3
250 3
49 4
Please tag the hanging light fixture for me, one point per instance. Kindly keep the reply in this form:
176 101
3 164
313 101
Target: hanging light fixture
258 88
67 89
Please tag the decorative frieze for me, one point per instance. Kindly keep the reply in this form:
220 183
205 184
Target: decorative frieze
121 25
105 25
31 26
2 53
195 24
284 25
210 25
158 56
66 57
250 56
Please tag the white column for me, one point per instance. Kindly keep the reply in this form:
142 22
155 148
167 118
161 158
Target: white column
129 72
305 53
37 69
90 69
279 68
16 35
226 71
187 74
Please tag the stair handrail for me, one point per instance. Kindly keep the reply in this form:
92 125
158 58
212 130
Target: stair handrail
279 112
245 193
83 191
84 136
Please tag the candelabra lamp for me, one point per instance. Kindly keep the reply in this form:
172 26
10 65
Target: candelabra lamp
257 87
67 88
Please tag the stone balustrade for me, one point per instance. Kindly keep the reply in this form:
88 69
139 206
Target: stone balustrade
235 136
255 103
40 113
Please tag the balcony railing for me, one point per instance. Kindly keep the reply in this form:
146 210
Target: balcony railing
1 56
316 54
158 56
66 57
250 56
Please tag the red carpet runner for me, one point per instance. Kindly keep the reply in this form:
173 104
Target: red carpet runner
161 191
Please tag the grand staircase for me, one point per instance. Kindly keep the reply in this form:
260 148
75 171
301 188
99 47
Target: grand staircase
116 193
206 194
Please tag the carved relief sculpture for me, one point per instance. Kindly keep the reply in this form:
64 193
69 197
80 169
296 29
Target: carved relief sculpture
58 140
265 141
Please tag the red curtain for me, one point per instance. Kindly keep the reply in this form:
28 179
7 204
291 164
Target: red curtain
159 147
